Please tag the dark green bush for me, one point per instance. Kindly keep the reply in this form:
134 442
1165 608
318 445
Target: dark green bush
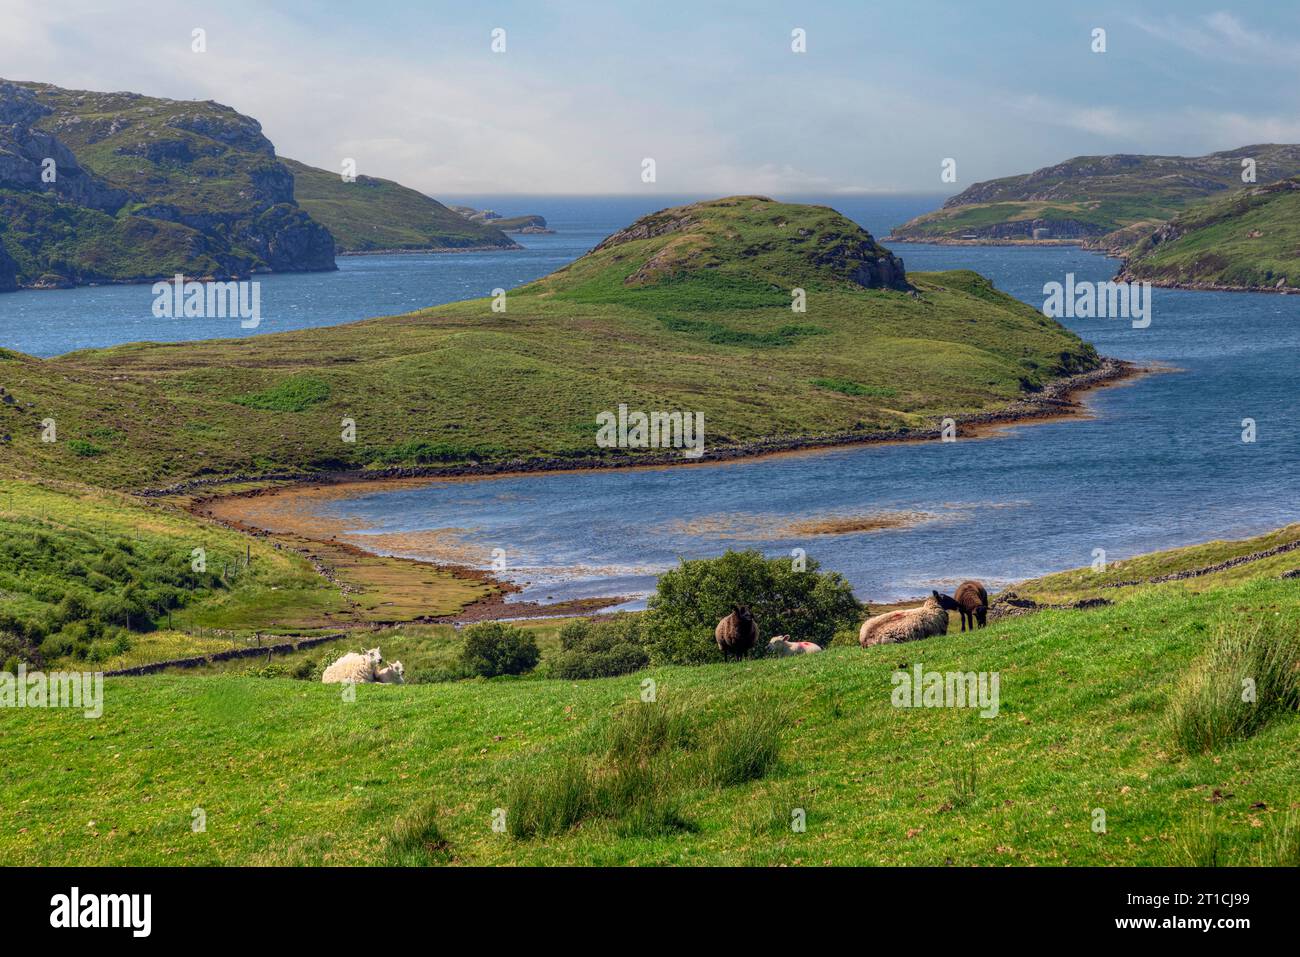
495 648
600 649
807 605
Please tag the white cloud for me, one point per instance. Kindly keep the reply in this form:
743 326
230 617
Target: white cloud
1222 36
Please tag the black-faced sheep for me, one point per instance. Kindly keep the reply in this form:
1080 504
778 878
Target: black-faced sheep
737 633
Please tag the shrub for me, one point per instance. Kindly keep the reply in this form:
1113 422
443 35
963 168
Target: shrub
600 649
807 605
1243 681
495 648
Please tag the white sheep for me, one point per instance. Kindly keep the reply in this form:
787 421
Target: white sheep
353 668
911 624
391 674
781 646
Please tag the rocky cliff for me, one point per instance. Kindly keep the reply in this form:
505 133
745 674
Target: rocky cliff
118 187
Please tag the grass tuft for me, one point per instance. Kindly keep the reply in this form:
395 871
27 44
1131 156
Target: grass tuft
1281 844
743 749
417 841
1202 844
1243 681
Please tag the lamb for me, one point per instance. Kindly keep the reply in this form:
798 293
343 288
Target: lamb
393 674
781 646
911 624
353 668
737 633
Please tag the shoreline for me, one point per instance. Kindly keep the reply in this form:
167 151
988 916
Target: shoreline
1055 401
281 510
951 241
487 248
1125 276
38 287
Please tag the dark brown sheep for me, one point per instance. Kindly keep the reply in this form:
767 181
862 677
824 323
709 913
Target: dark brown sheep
737 633
973 603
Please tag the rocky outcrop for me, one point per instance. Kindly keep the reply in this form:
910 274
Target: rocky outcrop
200 166
36 161
831 244
1011 605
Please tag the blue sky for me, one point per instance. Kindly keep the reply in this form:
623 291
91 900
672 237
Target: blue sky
711 91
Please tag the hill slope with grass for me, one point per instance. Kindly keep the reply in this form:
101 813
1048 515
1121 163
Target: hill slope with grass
119 187
689 309
1088 197
780 761
1249 240
371 214
96 578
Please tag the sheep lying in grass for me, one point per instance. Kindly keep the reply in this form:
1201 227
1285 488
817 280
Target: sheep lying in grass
353 667
781 646
393 674
911 624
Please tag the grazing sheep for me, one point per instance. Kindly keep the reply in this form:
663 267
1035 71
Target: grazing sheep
391 674
910 624
354 668
974 604
781 646
737 633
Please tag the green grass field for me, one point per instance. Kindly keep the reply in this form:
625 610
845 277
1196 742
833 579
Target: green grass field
1112 582
287 772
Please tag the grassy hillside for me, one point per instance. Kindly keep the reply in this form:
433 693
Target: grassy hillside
142 188
1201 567
1249 240
713 772
1087 197
372 214
689 309
89 576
